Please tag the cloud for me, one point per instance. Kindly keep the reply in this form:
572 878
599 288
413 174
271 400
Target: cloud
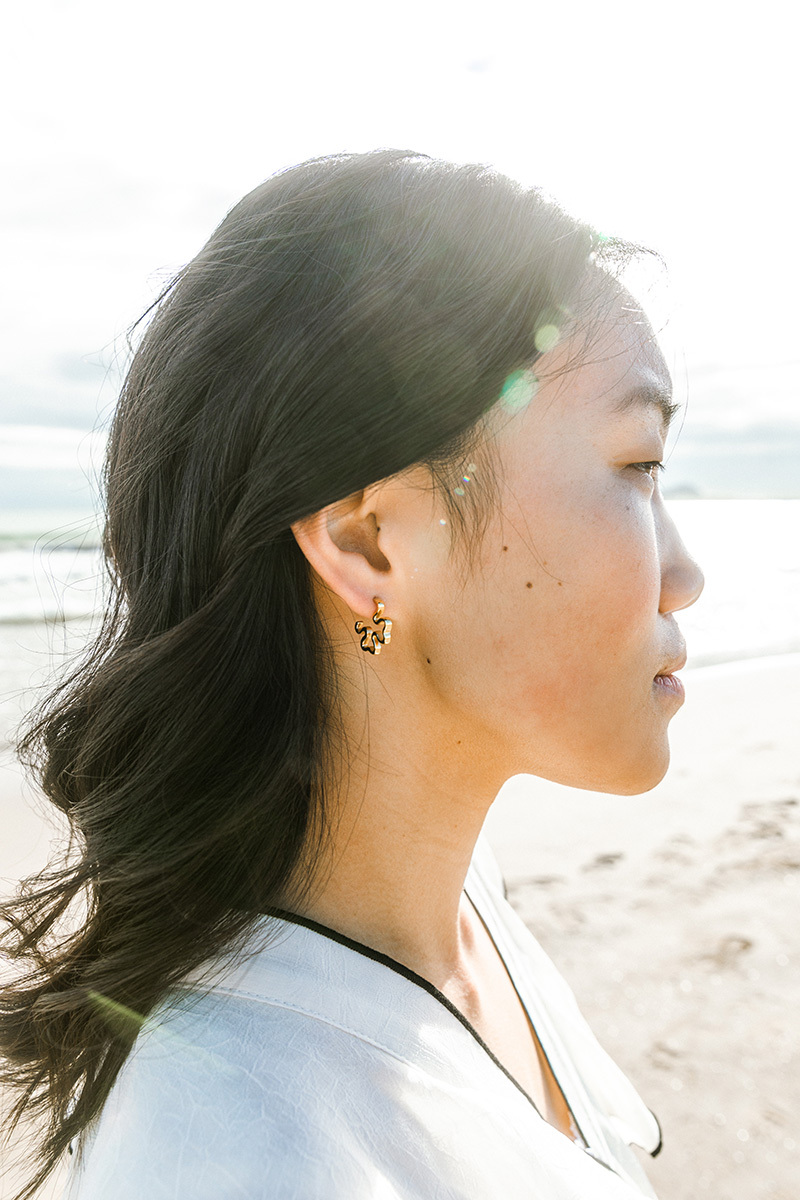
761 459
34 447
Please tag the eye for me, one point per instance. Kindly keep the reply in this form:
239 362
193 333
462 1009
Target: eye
653 469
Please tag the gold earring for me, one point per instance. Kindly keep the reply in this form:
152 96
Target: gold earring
373 639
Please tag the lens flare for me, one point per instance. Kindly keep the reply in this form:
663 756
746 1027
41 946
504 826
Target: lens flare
546 337
519 389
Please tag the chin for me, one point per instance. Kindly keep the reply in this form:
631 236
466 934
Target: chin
639 777
634 768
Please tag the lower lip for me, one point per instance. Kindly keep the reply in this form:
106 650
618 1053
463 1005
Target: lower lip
670 684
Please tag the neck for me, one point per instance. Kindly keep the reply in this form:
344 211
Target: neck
402 819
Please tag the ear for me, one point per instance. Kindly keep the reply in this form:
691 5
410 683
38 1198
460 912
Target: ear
343 545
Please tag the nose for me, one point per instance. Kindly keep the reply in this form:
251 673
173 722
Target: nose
682 580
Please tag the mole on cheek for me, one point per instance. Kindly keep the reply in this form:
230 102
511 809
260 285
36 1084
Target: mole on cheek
505 547
528 585
427 660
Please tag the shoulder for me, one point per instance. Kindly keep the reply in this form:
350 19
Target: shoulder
224 1096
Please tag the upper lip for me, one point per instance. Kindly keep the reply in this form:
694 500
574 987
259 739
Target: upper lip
675 664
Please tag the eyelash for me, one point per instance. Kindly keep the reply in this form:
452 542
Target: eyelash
653 469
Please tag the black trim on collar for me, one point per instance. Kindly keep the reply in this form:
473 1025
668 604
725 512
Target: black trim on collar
407 973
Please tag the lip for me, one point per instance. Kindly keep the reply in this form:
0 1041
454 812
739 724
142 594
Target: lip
667 681
675 664
671 685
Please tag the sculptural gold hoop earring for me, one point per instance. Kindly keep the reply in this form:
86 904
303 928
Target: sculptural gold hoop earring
373 639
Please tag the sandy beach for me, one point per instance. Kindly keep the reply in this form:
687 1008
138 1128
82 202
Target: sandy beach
673 916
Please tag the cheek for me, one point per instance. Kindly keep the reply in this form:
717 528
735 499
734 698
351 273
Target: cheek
565 613
593 599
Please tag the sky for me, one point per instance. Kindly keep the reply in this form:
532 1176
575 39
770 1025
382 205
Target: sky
128 132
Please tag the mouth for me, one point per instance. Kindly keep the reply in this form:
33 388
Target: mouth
667 681
671 685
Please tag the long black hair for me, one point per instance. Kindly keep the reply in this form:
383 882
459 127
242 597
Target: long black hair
349 318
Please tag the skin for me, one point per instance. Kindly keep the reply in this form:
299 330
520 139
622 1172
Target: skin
543 660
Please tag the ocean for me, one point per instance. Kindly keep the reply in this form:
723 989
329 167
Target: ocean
749 551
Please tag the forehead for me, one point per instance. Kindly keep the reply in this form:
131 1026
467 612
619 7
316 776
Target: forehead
614 365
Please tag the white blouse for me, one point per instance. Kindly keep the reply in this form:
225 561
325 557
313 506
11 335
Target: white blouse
319 1069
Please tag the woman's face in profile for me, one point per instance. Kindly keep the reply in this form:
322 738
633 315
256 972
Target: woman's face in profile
556 648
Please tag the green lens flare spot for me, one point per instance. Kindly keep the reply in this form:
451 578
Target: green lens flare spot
519 389
117 1015
546 338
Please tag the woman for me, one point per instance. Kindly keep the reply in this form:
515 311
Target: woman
384 529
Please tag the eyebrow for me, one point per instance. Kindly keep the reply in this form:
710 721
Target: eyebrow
650 397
